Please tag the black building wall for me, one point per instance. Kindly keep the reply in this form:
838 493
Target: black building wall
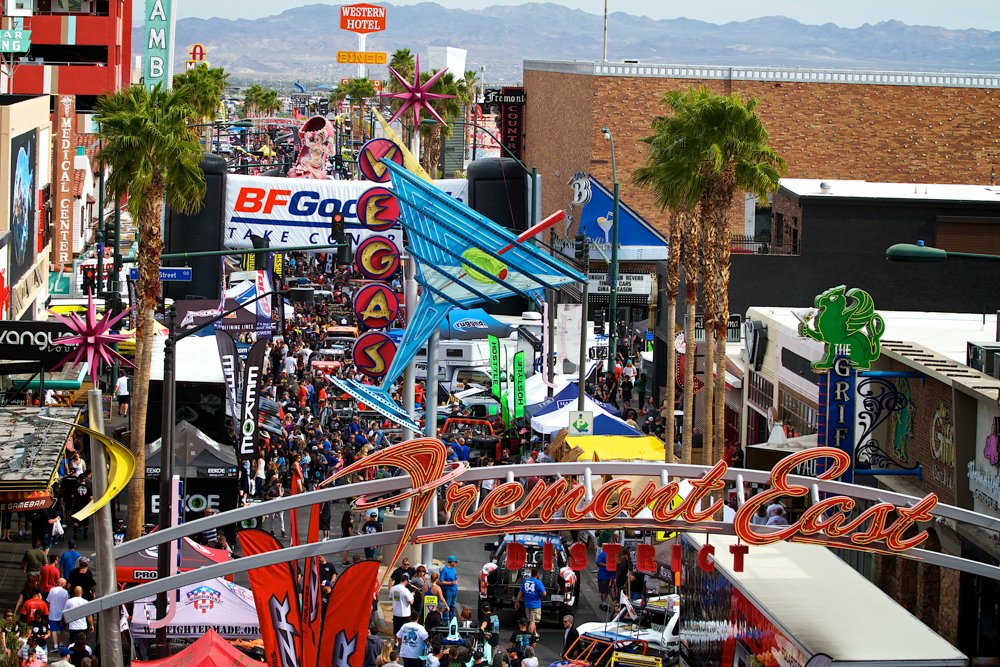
844 241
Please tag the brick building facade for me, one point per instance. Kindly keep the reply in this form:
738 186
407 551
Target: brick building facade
890 127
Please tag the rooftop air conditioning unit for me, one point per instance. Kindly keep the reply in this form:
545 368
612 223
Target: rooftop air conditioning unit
984 357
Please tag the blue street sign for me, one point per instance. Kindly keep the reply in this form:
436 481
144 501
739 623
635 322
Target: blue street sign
168 274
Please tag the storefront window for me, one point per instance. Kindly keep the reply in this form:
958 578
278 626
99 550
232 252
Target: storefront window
799 417
760 392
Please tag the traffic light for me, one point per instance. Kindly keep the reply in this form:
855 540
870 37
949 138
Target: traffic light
110 240
598 326
344 255
256 261
89 278
580 249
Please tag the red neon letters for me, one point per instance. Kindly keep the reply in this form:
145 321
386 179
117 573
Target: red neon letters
881 527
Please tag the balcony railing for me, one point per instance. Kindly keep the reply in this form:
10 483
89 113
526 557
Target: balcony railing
740 244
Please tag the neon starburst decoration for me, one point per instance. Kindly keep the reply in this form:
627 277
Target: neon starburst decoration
93 338
417 95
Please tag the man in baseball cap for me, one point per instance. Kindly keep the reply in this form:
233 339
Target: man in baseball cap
449 586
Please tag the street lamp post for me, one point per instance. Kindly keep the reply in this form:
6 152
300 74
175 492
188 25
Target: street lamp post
613 269
909 252
169 413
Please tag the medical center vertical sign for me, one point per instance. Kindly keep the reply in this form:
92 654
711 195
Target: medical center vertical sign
62 182
158 58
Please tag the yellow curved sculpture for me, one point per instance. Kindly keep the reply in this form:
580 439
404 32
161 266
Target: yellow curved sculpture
121 468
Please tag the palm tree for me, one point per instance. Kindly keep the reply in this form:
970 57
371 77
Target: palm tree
153 157
738 157
252 99
708 149
357 90
709 314
202 88
675 185
448 108
269 102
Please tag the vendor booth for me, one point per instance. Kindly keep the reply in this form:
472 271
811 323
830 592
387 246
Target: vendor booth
215 605
209 651
140 567
208 470
605 423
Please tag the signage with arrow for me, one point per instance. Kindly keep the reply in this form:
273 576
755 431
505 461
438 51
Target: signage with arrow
581 422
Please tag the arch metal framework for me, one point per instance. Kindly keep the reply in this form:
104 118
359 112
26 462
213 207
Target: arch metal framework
585 470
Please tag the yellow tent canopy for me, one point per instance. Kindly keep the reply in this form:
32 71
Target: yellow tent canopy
617 447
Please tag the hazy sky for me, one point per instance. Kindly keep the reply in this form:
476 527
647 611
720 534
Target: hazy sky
983 14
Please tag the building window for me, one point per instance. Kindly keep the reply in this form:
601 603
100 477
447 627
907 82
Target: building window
760 392
798 416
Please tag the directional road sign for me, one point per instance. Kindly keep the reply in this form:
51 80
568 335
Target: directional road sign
581 422
168 274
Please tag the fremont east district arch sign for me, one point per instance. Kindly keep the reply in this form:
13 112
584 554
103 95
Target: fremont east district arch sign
839 514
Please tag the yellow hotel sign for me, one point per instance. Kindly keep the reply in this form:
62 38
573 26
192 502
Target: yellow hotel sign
361 57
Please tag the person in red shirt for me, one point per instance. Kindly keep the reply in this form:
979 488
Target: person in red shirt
33 604
49 576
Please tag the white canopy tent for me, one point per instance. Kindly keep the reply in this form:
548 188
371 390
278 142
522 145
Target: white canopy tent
605 423
214 604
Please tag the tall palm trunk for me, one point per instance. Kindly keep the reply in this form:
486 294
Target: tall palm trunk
361 120
148 292
723 198
673 282
690 259
709 315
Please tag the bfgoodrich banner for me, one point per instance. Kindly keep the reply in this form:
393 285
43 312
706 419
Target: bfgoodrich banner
297 211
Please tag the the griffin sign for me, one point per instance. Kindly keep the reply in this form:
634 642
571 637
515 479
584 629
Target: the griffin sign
845 321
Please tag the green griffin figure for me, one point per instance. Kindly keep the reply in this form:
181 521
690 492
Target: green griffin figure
853 329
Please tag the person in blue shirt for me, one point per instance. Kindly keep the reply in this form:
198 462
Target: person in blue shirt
67 561
531 593
604 578
449 586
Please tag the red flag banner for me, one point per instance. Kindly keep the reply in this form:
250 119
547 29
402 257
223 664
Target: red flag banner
277 602
345 626
312 605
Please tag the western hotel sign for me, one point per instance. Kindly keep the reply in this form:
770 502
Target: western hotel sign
362 18
62 246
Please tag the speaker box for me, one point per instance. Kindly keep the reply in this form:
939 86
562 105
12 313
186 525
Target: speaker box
202 230
498 188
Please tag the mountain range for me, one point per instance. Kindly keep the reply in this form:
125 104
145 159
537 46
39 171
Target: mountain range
300 44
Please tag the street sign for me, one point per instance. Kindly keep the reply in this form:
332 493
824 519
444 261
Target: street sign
168 274
15 41
581 422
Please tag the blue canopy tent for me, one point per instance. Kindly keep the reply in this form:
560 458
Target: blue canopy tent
558 417
566 396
